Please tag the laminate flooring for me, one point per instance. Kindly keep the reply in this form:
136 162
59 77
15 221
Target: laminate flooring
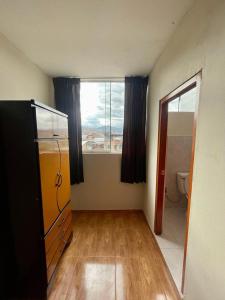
112 256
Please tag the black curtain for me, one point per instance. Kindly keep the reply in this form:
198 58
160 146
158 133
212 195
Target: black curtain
133 167
67 100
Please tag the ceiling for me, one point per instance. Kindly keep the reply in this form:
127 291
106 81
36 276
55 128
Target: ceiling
91 38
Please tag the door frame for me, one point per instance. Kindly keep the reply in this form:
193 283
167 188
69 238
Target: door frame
194 81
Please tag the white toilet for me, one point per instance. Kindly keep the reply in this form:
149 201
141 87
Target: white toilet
183 183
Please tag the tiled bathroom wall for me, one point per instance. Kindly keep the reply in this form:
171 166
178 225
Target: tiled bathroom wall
179 144
178 160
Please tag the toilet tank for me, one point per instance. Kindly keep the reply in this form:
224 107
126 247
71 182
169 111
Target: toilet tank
183 182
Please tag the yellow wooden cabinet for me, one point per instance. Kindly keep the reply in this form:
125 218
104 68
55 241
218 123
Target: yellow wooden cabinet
53 147
49 159
55 178
35 189
63 193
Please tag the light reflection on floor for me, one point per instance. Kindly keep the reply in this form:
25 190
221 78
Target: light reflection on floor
98 278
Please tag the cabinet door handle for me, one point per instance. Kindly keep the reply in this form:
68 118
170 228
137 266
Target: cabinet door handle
64 241
57 179
60 180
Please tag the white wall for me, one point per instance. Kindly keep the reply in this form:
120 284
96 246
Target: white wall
199 42
20 79
102 188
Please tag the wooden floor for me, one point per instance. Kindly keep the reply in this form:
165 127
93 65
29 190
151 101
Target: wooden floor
112 256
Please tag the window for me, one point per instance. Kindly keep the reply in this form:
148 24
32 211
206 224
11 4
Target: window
102 110
184 103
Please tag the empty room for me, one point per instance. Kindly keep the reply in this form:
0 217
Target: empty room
112 153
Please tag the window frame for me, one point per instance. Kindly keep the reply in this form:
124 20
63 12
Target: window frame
102 80
178 98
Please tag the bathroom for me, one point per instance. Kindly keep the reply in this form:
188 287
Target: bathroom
181 112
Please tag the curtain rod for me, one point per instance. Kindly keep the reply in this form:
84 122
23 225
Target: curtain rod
102 78
93 79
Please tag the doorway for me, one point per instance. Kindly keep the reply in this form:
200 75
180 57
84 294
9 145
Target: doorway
177 112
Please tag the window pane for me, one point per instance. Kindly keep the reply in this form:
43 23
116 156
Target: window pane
117 100
95 117
174 105
116 135
188 101
102 110
107 116
117 115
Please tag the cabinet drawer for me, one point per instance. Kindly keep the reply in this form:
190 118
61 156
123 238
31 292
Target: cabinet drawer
64 215
55 259
62 240
68 233
55 230
67 223
51 236
53 248
58 237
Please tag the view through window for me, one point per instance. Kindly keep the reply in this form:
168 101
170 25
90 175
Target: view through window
102 113
184 103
